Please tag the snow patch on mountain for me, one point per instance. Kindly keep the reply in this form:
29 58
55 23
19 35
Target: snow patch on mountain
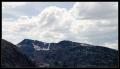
36 47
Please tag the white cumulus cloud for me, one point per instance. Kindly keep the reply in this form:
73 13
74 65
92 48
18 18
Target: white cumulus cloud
95 10
94 22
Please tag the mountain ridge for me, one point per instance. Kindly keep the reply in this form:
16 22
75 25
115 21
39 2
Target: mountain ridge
70 54
63 41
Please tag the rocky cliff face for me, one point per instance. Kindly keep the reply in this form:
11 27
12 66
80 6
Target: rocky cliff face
69 54
12 57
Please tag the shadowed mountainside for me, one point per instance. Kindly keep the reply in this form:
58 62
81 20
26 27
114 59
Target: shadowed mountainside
11 57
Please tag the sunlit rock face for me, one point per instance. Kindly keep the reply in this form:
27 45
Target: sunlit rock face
69 54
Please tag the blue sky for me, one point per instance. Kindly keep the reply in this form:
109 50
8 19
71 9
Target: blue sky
85 22
32 9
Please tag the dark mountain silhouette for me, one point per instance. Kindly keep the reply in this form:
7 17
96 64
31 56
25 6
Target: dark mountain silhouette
69 54
11 57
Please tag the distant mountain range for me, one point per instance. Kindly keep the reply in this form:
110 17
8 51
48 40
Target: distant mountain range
11 57
68 54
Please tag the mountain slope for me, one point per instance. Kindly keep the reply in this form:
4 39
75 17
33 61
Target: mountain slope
11 57
70 54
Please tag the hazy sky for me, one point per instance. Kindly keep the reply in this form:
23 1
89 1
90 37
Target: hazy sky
85 22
